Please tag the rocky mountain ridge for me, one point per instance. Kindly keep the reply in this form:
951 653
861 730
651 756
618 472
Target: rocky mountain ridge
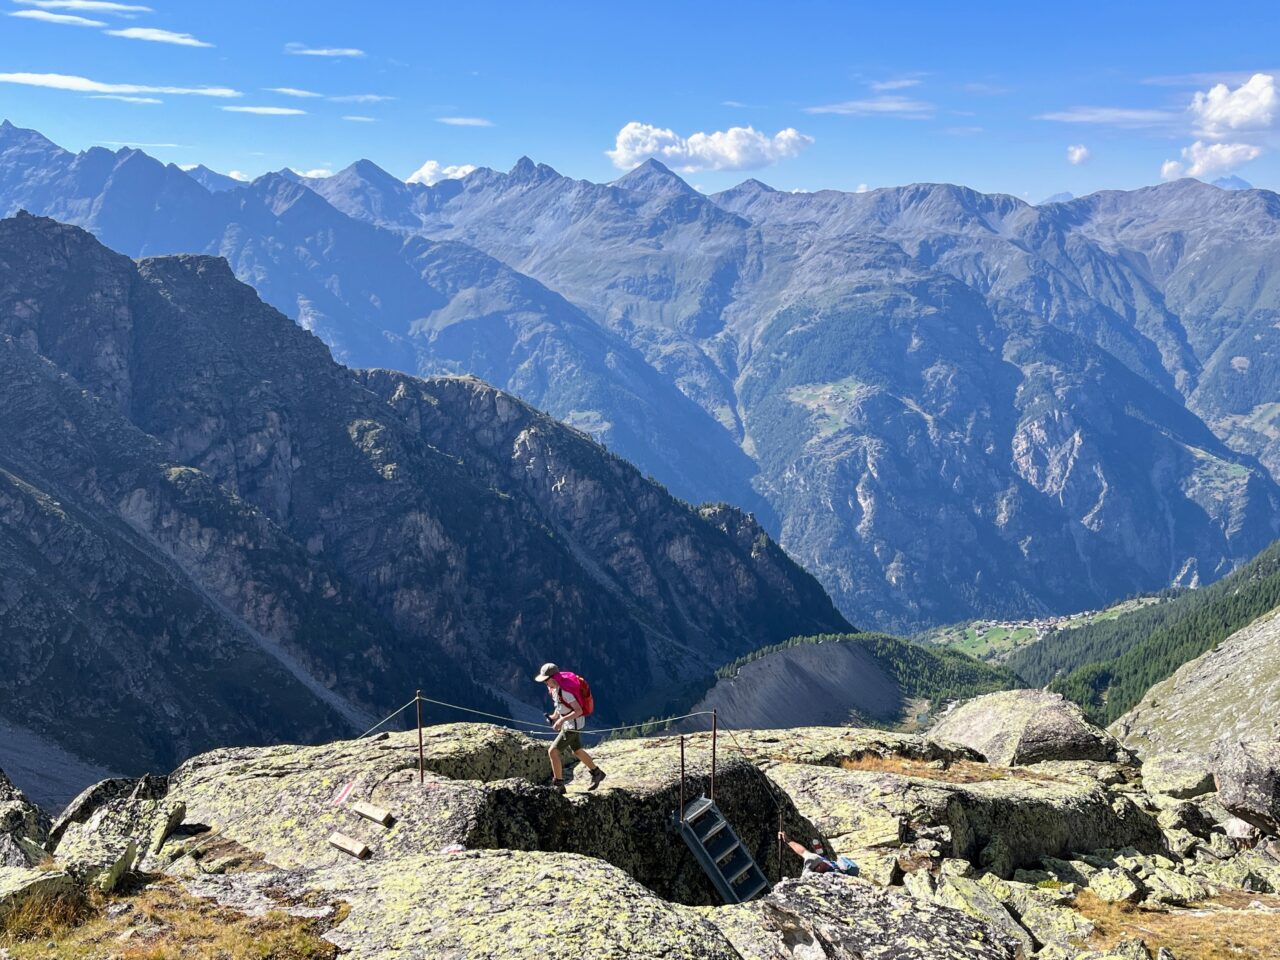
851 368
215 533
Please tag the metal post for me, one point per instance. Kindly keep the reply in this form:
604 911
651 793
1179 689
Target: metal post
421 765
682 778
713 755
780 873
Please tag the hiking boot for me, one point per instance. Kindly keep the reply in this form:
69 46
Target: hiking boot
597 775
557 785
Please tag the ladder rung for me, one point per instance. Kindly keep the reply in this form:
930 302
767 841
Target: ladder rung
696 809
758 889
741 871
716 827
736 845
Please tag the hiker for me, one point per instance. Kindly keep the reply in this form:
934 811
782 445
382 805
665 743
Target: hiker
815 860
571 700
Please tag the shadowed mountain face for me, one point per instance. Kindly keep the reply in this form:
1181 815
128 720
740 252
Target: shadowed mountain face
211 532
944 403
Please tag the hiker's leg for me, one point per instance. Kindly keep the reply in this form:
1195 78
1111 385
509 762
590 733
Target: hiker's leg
585 758
553 754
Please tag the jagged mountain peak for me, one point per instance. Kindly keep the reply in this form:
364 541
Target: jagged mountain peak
655 178
527 171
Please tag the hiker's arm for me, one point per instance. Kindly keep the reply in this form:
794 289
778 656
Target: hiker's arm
796 848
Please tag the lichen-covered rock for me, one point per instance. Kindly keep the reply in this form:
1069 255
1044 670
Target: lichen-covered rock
834 746
23 827
1248 776
1044 913
1013 818
280 802
505 904
17 884
971 897
835 918
1177 774
1026 726
1116 885
92 798
1173 888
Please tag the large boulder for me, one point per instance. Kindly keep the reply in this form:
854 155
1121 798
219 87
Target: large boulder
23 827
1248 776
19 884
111 827
996 818
837 917
1177 774
1026 726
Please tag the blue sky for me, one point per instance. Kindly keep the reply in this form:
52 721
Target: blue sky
800 95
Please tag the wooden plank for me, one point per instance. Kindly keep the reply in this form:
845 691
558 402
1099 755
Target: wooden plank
370 812
347 845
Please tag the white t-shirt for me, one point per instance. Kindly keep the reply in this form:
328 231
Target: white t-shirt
565 704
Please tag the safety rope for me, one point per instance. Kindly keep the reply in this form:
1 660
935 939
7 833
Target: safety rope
390 717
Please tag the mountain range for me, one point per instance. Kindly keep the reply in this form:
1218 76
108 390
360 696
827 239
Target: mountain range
211 532
943 403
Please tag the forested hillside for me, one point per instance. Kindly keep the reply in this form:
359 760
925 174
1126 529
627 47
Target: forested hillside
1107 666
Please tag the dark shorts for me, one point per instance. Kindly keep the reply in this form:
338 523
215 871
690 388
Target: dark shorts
567 738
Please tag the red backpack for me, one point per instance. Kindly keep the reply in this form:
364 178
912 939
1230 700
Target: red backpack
579 689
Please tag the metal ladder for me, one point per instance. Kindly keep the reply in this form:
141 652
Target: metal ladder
734 872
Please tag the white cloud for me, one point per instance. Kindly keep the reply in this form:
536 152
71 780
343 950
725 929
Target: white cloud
62 81
890 105
433 172
91 6
357 119
154 35
1220 111
124 99
66 19
319 173
738 148
268 111
1205 159
237 175
465 121
292 92
1111 116
1077 154
302 50
862 188
899 84
361 98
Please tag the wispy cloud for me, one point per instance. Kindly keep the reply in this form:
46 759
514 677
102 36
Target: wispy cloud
156 35
358 119
63 81
465 121
268 111
1112 116
88 6
1077 154
66 19
433 171
293 92
738 148
901 83
319 173
361 98
302 50
124 99
889 105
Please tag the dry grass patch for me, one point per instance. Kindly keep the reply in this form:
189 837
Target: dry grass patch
162 922
1236 926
